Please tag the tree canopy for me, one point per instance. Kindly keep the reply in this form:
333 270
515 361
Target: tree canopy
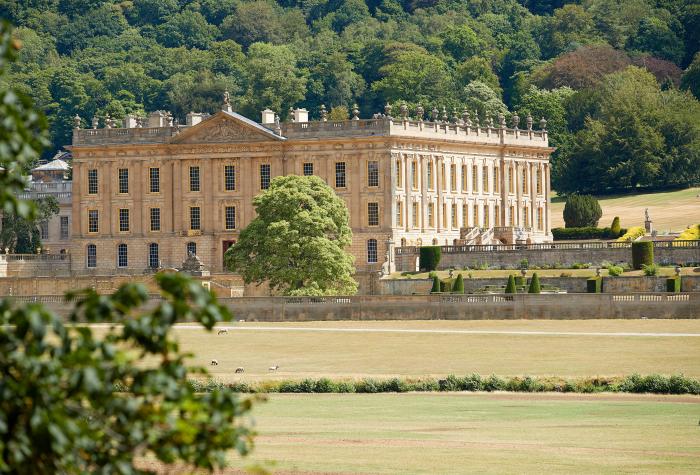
98 57
298 241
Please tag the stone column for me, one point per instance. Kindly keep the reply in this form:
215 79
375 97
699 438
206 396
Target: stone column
423 189
407 194
440 163
545 191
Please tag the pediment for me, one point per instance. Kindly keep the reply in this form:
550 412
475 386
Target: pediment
226 127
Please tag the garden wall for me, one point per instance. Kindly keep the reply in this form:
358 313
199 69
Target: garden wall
452 307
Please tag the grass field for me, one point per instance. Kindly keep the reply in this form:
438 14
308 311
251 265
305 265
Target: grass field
386 349
476 433
669 210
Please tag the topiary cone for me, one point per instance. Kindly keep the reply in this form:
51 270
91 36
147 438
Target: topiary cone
458 287
436 285
534 284
510 286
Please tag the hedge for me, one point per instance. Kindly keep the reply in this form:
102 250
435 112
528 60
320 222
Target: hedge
436 285
594 285
458 287
631 234
510 286
642 254
654 383
673 284
563 234
429 257
534 285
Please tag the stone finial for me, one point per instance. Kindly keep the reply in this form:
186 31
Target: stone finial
108 122
528 121
444 114
169 119
76 121
476 118
290 115
434 114
140 122
516 120
404 111
324 113
387 111
489 122
226 106
419 112
278 127
455 117
95 122
465 117
501 120
543 124
355 112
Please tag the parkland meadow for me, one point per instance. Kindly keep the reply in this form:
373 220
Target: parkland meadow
379 349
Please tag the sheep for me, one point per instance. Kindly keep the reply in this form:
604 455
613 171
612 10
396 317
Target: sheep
273 368
222 332
240 369
214 362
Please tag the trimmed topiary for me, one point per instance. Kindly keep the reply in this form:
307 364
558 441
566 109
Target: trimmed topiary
510 286
673 284
594 285
520 281
642 254
458 287
445 286
436 285
581 211
534 285
430 257
615 228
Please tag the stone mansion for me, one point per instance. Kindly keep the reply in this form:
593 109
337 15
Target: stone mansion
148 194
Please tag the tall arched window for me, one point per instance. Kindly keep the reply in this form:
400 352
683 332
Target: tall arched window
372 251
91 256
153 258
191 249
122 256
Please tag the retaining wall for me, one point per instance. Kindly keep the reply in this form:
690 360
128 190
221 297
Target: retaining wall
452 307
565 254
570 284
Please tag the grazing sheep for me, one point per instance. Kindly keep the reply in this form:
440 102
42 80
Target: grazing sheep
222 332
273 368
240 369
214 362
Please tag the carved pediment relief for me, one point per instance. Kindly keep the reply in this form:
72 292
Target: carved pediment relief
225 128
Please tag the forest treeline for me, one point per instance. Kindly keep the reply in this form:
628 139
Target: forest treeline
617 81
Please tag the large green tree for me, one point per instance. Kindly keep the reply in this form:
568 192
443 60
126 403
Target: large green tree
298 241
20 234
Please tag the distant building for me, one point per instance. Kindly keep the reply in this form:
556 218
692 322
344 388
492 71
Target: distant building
150 193
53 179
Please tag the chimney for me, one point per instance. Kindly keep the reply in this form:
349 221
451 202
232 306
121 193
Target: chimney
268 117
130 121
157 119
194 118
301 115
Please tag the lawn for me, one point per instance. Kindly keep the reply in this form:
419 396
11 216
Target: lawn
669 210
476 433
391 348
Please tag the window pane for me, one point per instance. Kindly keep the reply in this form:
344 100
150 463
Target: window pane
91 255
372 251
191 248
93 221
194 178
373 173
155 180
64 227
123 220
230 178
340 181
123 180
265 176
373 214
92 182
155 219
308 169
122 256
153 261
195 221
230 217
